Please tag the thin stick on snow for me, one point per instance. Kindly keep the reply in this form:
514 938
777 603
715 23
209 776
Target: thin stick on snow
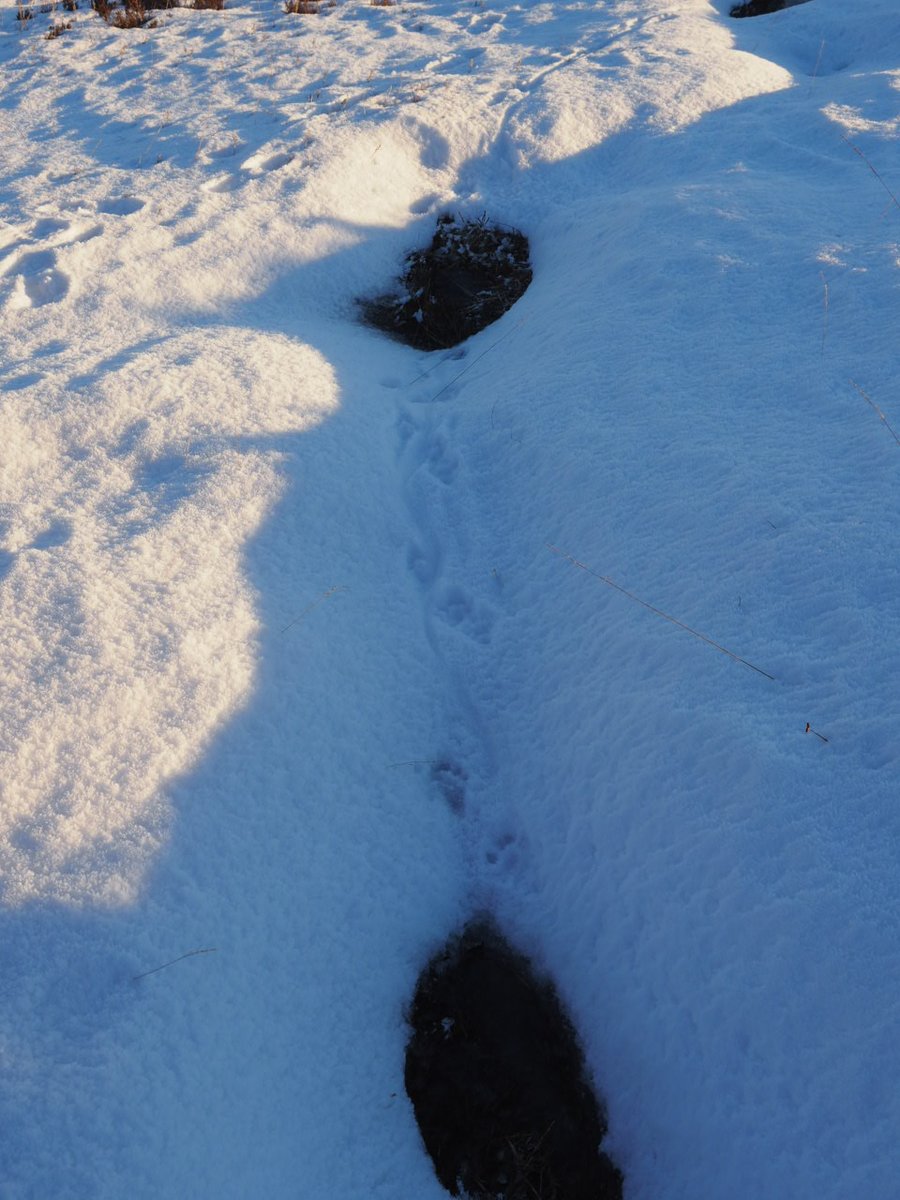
856 150
659 612
873 405
190 954
338 587
447 358
477 358
820 736
819 59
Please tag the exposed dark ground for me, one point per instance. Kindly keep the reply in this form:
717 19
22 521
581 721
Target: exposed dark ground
469 275
497 1080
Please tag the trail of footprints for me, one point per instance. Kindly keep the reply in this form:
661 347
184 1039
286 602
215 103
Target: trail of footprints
433 466
29 263
41 281
258 164
30 272
433 469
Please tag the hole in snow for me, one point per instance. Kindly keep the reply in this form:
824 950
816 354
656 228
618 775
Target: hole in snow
469 276
121 206
496 1078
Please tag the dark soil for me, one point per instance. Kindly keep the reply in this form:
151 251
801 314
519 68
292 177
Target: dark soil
759 8
497 1080
470 275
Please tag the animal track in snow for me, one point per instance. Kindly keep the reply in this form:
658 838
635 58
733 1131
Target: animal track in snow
434 149
18 382
254 167
39 280
228 150
30 262
226 182
162 485
46 287
57 533
423 563
259 164
450 781
425 204
502 851
121 206
47 226
80 233
460 611
482 24
441 461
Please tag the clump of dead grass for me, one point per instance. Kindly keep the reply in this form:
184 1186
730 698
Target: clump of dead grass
135 14
469 276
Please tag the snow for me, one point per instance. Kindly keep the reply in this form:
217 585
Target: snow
278 595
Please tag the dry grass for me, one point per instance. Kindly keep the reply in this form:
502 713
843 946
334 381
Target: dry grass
135 14
469 276
132 16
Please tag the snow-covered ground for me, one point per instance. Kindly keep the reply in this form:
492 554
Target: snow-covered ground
301 663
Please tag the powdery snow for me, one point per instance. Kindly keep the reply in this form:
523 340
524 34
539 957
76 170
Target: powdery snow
309 640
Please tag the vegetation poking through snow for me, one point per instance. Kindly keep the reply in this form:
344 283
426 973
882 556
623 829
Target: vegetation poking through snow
496 1079
134 14
469 276
761 8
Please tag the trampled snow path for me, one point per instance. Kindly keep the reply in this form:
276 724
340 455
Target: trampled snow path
253 556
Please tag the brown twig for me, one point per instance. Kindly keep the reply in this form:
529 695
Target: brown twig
477 358
190 954
868 399
338 587
659 612
856 150
824 308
